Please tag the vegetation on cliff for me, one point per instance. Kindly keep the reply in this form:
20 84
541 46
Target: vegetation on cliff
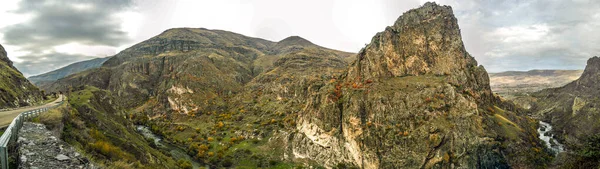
15 89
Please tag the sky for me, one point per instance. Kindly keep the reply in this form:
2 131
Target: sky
502 35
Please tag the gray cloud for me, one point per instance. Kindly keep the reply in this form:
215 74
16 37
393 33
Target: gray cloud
535 34
59 22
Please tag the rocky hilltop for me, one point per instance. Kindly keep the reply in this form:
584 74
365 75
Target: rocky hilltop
46 78
573 111
15 89
412 98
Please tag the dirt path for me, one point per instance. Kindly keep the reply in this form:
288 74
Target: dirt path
6 117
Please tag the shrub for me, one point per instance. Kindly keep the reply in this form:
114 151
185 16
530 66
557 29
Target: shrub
109 150
210 139
184 164
490 109
591 148
428 100
227 163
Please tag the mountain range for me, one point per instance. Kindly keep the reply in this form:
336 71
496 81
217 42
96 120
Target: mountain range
42 79
413 97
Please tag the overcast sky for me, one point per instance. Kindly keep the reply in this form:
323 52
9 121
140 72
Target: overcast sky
41 36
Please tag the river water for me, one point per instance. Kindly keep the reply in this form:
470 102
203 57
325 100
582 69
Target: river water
176 152
548 138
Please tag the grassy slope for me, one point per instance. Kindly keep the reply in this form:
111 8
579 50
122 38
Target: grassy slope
92 124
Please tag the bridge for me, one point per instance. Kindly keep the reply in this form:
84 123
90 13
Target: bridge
13 121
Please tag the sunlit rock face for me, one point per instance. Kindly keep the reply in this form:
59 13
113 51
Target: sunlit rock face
413 98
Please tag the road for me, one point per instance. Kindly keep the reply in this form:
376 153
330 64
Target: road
6 117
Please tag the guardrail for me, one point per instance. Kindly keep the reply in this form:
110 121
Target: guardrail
12 131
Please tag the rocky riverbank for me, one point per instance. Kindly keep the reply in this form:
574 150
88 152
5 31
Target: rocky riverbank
38 148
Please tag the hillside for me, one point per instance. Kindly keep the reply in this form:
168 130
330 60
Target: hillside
91 121
573 111
209 63
46 78
513 83
15 90
412 98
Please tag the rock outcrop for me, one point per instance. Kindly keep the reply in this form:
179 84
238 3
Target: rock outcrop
414 98
15 89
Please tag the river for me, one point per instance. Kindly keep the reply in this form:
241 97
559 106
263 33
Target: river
176 152
548 138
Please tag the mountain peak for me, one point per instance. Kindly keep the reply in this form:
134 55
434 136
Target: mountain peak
3 56
295 40
593 62
591 73
425 40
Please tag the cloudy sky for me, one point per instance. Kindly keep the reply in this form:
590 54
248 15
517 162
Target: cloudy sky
42 35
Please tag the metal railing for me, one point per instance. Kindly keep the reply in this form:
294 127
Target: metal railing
12 131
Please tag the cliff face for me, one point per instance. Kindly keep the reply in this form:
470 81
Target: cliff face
15 90
414 98
573 111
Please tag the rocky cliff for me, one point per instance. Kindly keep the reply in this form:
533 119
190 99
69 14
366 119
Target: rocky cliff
15 90
47 78
412 98
573 111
